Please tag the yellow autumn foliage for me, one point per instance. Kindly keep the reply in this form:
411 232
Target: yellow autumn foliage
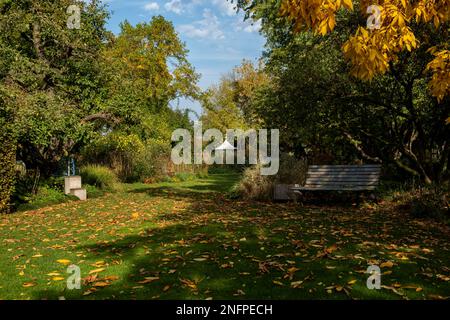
370 50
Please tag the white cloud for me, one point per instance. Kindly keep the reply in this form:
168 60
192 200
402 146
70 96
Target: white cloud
152 6
225 7
174 6
208 27
247 26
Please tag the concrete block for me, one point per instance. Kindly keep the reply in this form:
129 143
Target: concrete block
282 192
79 193
73 182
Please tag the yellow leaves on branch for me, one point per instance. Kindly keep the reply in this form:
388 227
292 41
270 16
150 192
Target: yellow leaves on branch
371 51
440 66
318 15
363 51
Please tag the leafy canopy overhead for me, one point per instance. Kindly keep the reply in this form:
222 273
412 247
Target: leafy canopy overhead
372 50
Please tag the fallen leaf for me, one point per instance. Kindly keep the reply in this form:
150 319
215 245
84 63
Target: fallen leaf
111 278
388 264
29 284
148 280
57 278
63 261
97 270
101 284
135 215
331 249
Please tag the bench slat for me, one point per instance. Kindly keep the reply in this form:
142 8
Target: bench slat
366 166
343 175
337 183
345 170
356 188
341 178
344 179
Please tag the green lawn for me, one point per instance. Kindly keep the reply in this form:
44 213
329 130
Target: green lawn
188 240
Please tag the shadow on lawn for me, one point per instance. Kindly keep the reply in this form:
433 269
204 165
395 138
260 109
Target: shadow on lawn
223 249
189 260
199 256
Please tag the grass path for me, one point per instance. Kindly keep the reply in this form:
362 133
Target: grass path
188 241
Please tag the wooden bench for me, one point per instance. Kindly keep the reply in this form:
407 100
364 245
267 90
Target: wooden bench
340 178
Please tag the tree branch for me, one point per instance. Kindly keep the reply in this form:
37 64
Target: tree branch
356 144
101 116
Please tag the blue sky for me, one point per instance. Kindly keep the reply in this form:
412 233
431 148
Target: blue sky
217 37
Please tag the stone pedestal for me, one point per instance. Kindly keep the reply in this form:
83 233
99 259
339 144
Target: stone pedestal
72 185
79 193
73 182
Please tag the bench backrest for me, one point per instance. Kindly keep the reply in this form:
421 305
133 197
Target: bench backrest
343 178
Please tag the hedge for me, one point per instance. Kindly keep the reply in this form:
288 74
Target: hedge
7 165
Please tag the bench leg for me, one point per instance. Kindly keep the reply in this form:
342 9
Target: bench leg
295 195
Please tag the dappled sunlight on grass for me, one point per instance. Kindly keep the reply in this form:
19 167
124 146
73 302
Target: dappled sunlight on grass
185 241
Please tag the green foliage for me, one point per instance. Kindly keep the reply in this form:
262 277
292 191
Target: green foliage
99 176
80 89
7 165
51 75
129 157
115 150
230 104
331 117
151 161
139 57
93 192
46 196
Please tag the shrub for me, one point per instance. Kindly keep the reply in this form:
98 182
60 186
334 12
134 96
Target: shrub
56 183
93 192
292 170
253 185
7 167
45 197
99 176
257 187
431 202
150 162
131 158
116 151
428 202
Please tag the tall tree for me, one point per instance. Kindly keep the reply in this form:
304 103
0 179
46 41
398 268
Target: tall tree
151 58
50 74
230 103
392 119
383 30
